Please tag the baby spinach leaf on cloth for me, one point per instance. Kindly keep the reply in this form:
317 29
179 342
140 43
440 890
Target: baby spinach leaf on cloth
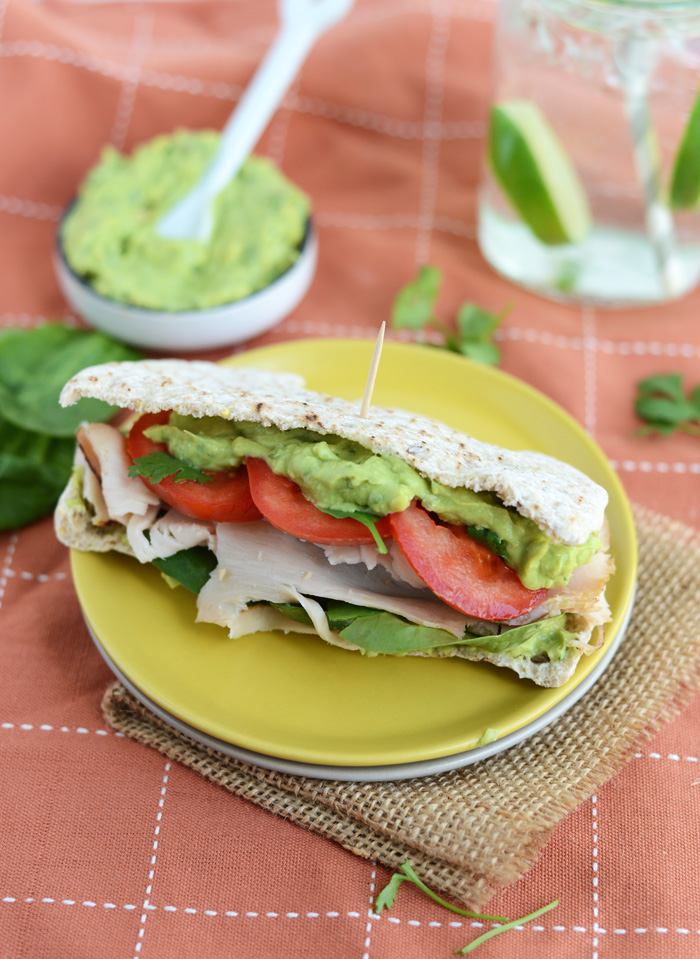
35 364
33 471
159 465
662 404
190 567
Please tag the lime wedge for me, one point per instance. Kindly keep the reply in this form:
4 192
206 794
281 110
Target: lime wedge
536 174
685 178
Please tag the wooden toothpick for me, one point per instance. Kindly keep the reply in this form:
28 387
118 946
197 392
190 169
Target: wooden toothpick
372 375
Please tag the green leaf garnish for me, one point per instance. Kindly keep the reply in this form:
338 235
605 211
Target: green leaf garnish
190 567
414 304
158 466
504 928
367 519
385 899
414 308
662 404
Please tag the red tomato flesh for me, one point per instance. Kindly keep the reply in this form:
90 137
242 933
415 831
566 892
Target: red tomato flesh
225 499
283 505
465 574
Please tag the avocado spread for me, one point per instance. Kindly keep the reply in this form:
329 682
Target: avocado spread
109 238
339 474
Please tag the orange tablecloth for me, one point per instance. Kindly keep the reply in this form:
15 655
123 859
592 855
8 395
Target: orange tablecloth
110 851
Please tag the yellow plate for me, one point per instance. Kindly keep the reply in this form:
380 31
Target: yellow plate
297 698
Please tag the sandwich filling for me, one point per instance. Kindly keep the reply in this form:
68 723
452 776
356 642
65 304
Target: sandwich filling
396 584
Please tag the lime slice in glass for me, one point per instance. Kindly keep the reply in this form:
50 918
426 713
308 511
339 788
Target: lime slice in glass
685 178
536 174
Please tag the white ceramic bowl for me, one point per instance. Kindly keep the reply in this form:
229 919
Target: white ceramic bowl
191 330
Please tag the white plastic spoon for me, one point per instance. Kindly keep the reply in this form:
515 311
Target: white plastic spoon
301 23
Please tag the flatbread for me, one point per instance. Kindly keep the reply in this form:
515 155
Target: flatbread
562 501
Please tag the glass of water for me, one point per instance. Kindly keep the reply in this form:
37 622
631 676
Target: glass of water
591 185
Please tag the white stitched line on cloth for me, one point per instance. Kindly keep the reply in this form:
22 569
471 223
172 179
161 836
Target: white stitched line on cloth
139 48
38 577
28 208
6 571
149 888
644 466
434 98
315 328
596 912
370 911
674 757
211 913
610 347
31 319
46 727
428 128
391 221
367 120
589 370
277 135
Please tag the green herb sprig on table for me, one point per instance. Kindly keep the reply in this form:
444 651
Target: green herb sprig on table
414 309
387 897
156 467
663 405
37 435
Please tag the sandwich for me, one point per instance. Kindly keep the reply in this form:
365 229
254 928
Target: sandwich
384 534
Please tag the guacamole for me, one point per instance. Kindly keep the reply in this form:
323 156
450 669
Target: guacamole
109 237
339 474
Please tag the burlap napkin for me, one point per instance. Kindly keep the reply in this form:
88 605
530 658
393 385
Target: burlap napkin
470 831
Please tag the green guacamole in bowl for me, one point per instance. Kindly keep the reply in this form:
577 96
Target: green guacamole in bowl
109 237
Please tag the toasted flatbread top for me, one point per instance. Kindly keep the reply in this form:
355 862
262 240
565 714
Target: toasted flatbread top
562 501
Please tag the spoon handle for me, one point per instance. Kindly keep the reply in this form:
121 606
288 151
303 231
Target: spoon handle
260 100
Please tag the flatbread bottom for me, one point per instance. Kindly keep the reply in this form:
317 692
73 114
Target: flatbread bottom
74 528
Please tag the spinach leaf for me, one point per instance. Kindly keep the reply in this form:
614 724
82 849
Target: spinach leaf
36 363
548 636
387 633
293 611
190 567
33 471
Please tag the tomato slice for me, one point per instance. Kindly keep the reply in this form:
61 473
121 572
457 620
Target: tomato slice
226 499
466 574
283 504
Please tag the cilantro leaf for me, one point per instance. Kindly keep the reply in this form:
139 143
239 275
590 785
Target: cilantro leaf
414 309
414 304
158 466
662 404
367 519
385 899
